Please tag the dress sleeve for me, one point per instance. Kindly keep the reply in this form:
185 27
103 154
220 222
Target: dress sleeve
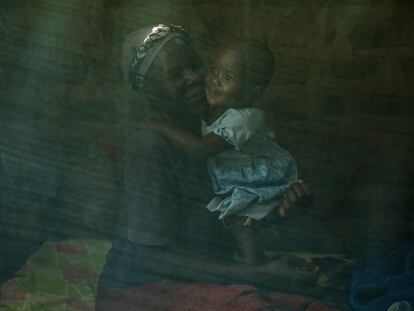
237 126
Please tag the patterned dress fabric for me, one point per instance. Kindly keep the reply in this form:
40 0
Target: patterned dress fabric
250 179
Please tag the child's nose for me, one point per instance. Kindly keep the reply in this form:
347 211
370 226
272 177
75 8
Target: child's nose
217 81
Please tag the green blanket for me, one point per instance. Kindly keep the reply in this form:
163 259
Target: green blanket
59 276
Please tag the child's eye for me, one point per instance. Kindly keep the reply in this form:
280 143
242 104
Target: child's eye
228 78
214 70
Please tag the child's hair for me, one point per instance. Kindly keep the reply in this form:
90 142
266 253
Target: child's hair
258 60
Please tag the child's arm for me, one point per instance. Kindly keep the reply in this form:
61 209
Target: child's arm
208 145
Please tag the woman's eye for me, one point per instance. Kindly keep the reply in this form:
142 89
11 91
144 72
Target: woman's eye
214 70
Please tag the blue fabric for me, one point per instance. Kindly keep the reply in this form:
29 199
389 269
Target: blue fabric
245 129
378 283
251 179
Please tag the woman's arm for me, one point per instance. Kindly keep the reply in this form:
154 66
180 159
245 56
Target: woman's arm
208 145
297 198
175 263
186 266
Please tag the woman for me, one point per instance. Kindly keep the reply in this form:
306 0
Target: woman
165 230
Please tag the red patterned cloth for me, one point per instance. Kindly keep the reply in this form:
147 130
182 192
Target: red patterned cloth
176 296
12 291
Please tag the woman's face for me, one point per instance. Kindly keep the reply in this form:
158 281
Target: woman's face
177 78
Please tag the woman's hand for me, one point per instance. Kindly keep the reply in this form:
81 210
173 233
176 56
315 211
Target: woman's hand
299 195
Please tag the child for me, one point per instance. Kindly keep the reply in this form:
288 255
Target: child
249 171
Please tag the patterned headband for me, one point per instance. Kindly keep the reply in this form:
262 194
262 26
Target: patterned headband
145 54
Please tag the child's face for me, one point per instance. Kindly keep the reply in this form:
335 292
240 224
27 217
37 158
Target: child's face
225 82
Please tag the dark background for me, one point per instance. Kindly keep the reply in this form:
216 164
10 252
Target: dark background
342 101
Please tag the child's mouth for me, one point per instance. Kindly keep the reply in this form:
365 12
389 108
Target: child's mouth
211 95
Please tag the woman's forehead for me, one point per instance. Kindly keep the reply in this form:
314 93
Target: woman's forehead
176 53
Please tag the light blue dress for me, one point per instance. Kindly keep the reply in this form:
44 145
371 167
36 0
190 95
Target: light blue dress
250 179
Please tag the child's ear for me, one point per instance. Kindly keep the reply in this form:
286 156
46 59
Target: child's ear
257 92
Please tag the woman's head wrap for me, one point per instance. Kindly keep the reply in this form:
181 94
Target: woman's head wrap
142 46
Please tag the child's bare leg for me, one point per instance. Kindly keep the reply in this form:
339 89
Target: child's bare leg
245 235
